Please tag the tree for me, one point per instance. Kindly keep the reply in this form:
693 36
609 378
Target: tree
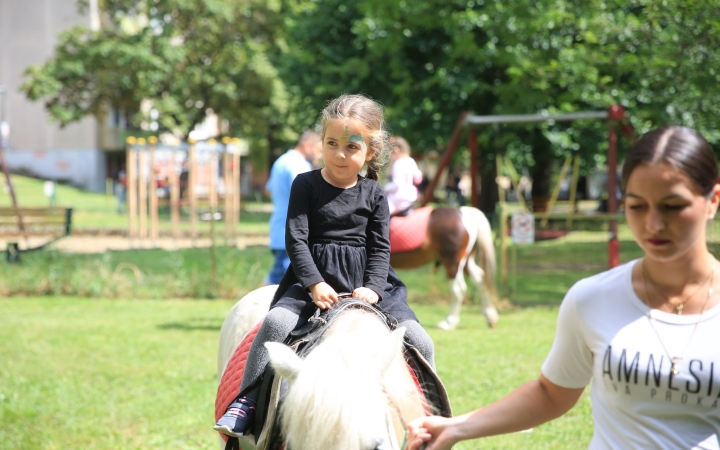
187 58
428 61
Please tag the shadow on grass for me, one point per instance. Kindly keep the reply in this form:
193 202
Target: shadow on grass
193 325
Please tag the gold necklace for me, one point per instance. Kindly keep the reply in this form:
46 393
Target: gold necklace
676 360
681 306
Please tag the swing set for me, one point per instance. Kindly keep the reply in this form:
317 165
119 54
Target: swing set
615 117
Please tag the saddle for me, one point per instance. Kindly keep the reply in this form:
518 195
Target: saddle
266 429
407 233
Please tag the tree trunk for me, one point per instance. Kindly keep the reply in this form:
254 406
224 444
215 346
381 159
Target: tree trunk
488 187
541 172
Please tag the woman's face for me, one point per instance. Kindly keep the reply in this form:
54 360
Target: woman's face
666 211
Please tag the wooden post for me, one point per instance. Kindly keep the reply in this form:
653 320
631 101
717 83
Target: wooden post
499 171
142 188
556 192
212 182
573 188
473 145
445 160
515 180
503 247
174 196
130 166
236 187
152 140
192 182
227 188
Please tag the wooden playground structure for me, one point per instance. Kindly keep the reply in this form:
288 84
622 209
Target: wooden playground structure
186 175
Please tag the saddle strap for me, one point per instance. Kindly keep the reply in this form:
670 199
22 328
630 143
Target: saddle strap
232 443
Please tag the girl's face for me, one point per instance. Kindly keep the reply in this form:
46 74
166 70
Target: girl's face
666 212
344 152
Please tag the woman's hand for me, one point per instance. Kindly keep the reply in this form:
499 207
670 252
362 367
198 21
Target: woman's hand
366 294
323 295
434 431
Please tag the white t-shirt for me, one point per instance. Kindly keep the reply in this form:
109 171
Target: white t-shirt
604 333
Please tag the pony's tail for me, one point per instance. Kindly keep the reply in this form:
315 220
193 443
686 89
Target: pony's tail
486 255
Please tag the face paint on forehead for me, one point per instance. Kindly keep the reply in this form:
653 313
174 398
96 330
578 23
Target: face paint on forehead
345 133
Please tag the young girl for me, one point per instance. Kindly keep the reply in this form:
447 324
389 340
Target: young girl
337 240
646 333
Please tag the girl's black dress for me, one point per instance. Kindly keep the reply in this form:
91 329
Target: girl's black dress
339 236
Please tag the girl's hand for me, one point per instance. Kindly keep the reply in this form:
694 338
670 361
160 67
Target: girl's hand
432 431
323 295
366 294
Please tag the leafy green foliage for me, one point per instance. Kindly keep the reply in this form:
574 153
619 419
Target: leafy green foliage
185 57
428 61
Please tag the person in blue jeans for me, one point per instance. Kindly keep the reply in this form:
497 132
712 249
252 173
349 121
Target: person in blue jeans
295 161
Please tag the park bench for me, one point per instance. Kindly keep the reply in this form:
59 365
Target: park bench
18 224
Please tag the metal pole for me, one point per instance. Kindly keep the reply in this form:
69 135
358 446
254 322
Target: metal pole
613 243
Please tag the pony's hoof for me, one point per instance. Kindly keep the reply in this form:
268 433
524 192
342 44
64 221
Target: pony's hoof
447 325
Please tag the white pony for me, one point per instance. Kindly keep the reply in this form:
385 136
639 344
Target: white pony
354 391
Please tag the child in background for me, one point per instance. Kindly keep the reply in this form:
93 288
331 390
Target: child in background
337 239
402 189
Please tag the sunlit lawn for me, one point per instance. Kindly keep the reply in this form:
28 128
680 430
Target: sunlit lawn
109 374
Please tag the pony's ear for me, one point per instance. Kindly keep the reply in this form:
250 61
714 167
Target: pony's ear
394 347
284 360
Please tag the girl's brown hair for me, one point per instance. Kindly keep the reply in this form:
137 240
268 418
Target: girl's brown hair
367 113
682 148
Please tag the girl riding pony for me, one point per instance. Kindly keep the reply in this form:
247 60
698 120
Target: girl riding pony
337 240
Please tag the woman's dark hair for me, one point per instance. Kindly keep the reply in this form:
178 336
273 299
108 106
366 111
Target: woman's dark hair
682 148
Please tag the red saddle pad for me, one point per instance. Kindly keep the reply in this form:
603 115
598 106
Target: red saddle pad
232 377
408 233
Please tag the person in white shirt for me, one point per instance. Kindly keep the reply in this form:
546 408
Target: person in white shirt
401 190
647 333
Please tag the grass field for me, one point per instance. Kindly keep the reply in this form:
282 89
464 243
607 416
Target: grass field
137 374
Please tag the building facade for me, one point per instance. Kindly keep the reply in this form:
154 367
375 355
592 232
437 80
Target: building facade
78 153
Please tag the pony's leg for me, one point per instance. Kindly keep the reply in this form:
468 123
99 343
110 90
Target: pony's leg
476 274
458 288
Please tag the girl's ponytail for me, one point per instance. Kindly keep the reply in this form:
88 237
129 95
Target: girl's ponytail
373 168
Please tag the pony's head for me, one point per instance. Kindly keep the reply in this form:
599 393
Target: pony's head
353 391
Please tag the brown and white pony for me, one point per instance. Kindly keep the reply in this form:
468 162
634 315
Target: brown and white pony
461 240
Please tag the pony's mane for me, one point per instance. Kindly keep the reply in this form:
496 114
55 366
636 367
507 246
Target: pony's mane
347 383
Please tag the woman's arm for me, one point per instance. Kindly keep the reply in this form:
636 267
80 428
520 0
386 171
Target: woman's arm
532 404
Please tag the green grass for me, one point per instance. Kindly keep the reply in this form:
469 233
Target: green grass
147 274
99 211
102 374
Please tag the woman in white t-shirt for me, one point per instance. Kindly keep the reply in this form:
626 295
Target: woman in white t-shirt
647 333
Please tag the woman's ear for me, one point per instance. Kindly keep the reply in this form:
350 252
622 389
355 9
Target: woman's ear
714 201
370 154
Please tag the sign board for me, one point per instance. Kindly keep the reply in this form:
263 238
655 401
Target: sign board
523 228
